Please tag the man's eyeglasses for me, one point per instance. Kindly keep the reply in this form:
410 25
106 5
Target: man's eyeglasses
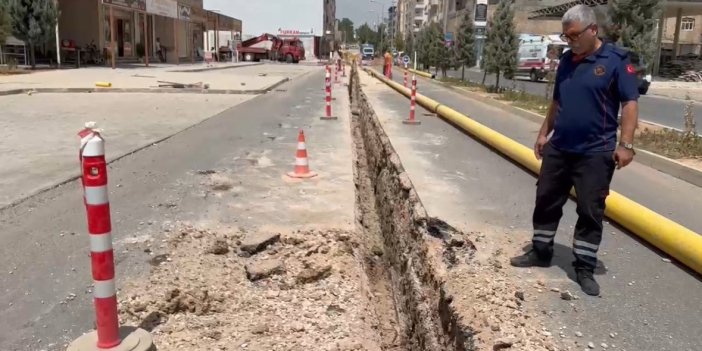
575 37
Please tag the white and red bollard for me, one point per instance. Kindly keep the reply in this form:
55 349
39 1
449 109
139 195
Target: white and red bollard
94 178
405 78
336 74
343 69
327 77
328 99
413 104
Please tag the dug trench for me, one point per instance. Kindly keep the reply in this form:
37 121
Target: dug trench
406 251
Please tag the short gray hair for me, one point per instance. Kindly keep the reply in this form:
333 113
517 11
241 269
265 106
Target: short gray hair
580 13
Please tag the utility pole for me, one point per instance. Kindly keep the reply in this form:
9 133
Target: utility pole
446 12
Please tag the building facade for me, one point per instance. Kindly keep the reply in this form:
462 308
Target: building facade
392 24
130 28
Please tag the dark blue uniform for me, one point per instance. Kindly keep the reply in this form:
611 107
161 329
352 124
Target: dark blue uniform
589 92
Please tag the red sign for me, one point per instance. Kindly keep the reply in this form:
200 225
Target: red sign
292 32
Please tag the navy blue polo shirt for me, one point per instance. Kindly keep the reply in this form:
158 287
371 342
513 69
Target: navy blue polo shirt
589 92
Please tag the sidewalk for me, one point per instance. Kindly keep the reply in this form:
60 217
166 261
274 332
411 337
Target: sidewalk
677 90
218 77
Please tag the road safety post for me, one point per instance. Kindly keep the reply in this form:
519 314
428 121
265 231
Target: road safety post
94 178
405 77
343 69
336 75
328 100
413 104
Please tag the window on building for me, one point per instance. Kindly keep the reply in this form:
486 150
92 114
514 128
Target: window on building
687 24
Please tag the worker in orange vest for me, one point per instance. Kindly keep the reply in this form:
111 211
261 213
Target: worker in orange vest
388 65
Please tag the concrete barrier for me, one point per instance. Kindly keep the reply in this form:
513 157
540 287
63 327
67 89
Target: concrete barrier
676 240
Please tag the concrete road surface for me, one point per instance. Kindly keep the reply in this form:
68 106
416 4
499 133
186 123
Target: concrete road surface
664 111
45 281
646 304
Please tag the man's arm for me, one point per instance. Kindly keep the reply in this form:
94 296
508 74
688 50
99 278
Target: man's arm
628 87
547 126
630 120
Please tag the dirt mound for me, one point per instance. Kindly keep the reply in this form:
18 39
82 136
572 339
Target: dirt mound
196 300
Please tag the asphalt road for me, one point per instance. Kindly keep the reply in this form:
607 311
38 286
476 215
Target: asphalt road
650 304
44 254
660 110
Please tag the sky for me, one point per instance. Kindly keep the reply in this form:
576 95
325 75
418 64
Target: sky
261 16
266 16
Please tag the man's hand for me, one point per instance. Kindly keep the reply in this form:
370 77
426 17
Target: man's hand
541 141
623 157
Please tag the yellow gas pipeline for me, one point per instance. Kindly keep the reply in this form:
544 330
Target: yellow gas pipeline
674 239
421 73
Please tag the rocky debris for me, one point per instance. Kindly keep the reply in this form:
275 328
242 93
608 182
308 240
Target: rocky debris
260 328
555 290
604 345
219 247
579 334
567 296
666 260
504 343
263 269
519 295
314 274
176 301
591 345
254 243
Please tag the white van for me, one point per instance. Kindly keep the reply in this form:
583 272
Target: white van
538 54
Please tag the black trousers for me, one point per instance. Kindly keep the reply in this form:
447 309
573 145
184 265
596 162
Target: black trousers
591 175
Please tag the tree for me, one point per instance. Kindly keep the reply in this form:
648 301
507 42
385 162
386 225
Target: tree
34 22
442 56
382 43
366 35
399 43
346 27
5 22
634 20
502 43
465 50
410 44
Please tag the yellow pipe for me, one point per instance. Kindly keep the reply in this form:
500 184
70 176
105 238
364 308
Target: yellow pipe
421 73
103 84
672 238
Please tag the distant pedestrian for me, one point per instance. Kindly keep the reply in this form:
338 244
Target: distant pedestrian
387 70
160 50
592 80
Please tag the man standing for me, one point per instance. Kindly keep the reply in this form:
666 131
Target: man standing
592 81
388 65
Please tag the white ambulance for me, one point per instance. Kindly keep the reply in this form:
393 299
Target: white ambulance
538 54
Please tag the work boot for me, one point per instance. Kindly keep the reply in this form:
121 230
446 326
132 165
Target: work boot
587 282
530 259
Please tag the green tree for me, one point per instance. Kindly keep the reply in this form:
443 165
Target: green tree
366 35
465 42
381 42
399 43
346 27
410 44
502 43
442 55
634 20
5 22
33 21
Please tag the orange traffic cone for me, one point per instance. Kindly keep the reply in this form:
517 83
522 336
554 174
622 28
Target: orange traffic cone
302 168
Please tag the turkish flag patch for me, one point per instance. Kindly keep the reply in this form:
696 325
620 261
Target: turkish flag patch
630 69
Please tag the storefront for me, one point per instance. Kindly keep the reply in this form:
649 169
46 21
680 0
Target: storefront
94 27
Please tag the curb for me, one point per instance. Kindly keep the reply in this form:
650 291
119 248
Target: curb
215 68
646 158
147 90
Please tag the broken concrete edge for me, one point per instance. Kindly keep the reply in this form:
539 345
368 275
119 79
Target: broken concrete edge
646 158
216 68
146 90
419 278
77 175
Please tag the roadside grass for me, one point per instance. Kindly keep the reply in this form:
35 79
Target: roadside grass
666 142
